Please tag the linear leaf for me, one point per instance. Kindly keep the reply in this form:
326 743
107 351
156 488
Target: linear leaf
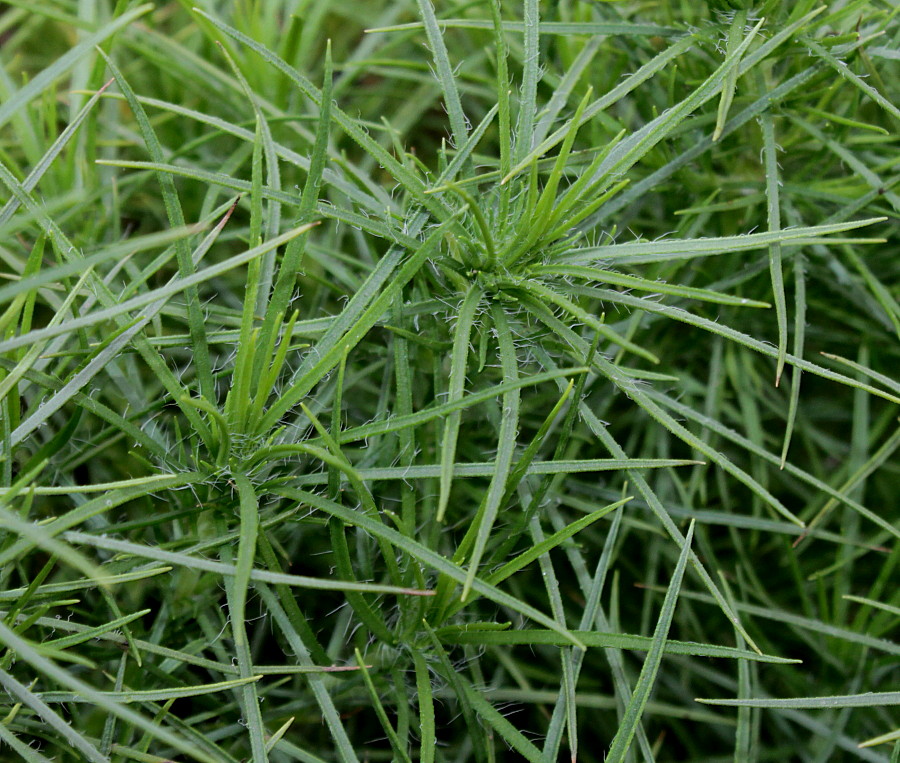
153 695
506 445
426 556
49 669
644 252
647 680
45 78
870 699
458 363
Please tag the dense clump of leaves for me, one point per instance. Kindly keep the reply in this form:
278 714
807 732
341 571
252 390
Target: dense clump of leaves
389 381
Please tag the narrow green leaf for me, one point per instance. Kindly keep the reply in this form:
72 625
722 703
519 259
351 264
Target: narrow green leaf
65 642
363 311
644 252
279 734
176 286
184 560
371 618
506 446
48 716
887 381
293 256
427 738
876 604
891 736
36 535
622 741
316 684
426 556
236 589
487 468
729 434
531 66
28 754
444 73
49 669
747 341
551 542
446 670
78 383
870 699
174 212
152 695
45 78
844 71
510 734
459 356
644 284
773 183
727 96
398 747
396 423
630 83
548 295
501 52
587 28
799 340
246 553
639 143
410 182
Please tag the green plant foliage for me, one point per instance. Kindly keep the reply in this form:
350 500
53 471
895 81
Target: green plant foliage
456 381
730 5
